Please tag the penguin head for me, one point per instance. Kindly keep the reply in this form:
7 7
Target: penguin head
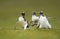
23 13
41 13
34 13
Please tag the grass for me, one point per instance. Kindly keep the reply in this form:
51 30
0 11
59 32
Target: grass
29 34
10 11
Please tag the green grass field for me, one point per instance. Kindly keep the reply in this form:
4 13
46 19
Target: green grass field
10 11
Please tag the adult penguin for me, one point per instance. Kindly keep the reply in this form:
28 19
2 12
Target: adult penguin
43 21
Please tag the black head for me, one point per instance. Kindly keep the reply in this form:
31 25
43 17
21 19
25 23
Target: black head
34 13
23 14
41 13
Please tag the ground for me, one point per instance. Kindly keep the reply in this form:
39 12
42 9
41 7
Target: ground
10 11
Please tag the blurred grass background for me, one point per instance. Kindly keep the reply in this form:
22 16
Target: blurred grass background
10 11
